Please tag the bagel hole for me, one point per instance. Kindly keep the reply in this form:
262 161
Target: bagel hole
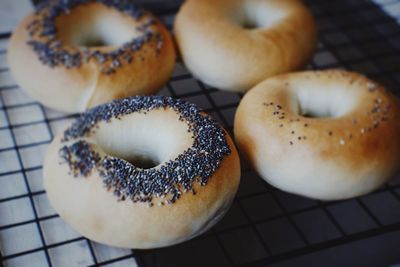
140 161
98 27
93 42
257 15
145 140
249 25
313 114
328 102
316 107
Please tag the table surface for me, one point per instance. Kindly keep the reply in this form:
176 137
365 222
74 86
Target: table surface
265 226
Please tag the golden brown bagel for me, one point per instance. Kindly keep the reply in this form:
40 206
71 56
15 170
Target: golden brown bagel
181 178
87 54
235 44
325 134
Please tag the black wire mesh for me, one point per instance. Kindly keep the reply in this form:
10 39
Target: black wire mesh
264 226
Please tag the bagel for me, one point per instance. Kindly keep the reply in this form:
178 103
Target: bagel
73 55
235 44
142 172
326 135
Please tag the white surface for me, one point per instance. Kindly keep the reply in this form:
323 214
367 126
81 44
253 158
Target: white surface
391 7
11 13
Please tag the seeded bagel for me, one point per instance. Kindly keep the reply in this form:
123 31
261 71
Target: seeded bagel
322 134
73 55
142 172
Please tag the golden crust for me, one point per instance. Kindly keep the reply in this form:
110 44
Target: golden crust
325 158
76 89
218 50
96 213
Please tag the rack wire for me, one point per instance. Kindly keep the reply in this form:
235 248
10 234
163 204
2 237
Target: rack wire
265 226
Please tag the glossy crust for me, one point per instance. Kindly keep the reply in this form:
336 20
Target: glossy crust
88 207
220 51
351 151
76 89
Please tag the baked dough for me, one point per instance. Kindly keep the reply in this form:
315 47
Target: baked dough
322 134
142 172
73 55
235 44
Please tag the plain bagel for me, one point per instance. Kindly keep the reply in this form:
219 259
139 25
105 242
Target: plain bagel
326 134
235 44
142 172
73 55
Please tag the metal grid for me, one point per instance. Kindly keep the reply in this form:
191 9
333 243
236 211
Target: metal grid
264 226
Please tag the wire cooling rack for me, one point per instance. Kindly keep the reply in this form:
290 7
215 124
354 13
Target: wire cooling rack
264 226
